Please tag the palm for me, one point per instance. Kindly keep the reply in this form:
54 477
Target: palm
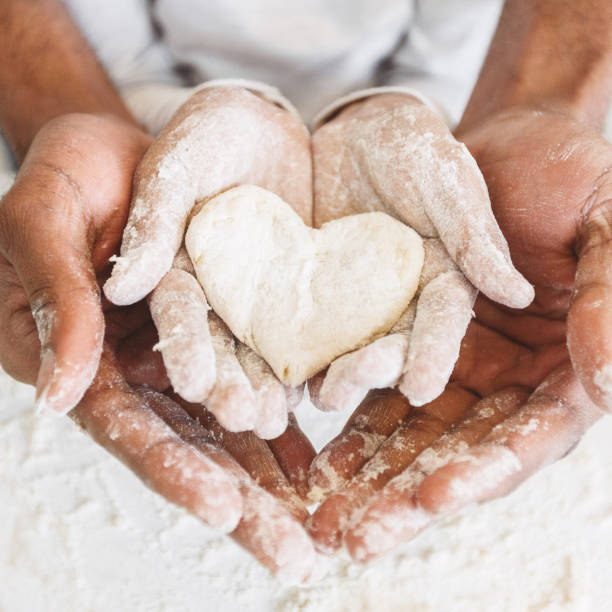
539 180
546 173
514 403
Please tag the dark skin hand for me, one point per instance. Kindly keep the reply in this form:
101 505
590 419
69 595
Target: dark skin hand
237 483
519 398
515 403
180 452
59 224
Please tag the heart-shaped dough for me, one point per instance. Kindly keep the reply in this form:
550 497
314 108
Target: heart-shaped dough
300 297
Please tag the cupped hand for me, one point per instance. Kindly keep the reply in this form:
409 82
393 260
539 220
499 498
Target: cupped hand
392 153
237 483
59 224
517 399
221 137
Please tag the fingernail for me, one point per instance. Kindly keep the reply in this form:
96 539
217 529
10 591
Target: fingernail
526 293
43 381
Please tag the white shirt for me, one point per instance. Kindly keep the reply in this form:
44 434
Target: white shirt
314 51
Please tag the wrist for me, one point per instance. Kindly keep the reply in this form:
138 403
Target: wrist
47 71
547 55
153 104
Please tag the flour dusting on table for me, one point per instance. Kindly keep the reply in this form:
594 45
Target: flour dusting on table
79 532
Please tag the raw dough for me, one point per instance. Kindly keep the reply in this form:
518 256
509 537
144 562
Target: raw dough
298 296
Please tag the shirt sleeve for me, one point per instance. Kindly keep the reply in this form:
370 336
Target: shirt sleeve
143 69
443 51
122 34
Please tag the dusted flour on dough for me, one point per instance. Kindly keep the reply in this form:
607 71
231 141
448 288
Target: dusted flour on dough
301 297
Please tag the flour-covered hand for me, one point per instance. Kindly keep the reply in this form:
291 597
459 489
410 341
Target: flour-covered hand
527 384
236 483
392 153
221 137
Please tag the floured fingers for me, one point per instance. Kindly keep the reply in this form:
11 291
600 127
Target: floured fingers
393 515
294 454
415 433
232 399
378 365
459 207
444 311
206 364
548 426
123 422
367 428
270 525
375 366
270 395
180 312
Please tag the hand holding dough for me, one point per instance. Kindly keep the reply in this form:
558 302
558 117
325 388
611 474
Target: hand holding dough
220 137
300 297
392 153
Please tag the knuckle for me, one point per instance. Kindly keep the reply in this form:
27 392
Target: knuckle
426 425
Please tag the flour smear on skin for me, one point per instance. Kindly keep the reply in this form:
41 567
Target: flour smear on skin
79 532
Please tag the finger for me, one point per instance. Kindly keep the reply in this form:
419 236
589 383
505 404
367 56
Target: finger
375 366
412 436
294 396
457 203
58 278
443 313
122 421
270 395
190 428
232 400
139 363
274 537
375 419
258 460
544 430
180 312
589 323
314 389
167 184
393 516
266 529
219 138
294 454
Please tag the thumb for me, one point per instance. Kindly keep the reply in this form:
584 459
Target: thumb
201 151
589 332
51 258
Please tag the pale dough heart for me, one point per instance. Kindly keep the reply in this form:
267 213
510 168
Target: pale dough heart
300 297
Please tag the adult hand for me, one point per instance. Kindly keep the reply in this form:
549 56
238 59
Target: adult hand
59 224
219 138
516 403
236 483
392 153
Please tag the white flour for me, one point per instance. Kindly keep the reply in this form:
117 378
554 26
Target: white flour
79 532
